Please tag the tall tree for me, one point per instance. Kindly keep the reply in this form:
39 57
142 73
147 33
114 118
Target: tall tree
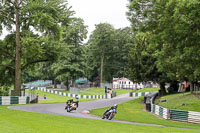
142 64
123 43
74 36
174 28
70 62
100 44
43 16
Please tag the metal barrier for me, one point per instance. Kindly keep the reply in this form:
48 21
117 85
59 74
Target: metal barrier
172 114
72 95
8 100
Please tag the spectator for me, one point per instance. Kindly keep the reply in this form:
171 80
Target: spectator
45 97
111 93
106 90
37 99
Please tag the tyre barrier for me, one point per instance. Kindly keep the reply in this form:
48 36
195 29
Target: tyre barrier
172 114
72 95
8 100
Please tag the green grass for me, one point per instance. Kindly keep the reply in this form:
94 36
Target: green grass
92 91
133 111
14 121
99 91
181 101
123 91
89 91
56 98
147 90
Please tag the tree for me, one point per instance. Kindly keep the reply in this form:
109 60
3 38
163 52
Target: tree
123 42
70 62
174 27
45 17
142 65
100 45
73 37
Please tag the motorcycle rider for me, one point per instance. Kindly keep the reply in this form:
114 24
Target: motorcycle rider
111 108
76 100
69 102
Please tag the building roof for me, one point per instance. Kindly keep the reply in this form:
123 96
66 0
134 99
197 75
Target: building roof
81 80
120 79
124 79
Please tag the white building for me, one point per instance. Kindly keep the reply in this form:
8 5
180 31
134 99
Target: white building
124 83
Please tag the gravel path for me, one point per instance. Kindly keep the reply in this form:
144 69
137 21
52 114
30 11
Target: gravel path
58 109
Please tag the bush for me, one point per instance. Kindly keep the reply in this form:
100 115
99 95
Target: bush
4 91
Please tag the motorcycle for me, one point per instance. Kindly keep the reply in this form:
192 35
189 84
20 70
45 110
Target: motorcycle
110 114
72 106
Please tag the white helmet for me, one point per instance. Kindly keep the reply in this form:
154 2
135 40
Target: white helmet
115 106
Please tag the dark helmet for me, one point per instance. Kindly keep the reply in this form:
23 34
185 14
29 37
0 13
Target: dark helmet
115 106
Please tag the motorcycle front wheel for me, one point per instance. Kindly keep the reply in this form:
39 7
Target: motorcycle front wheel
111 116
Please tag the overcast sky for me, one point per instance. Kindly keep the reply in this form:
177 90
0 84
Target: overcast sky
99 11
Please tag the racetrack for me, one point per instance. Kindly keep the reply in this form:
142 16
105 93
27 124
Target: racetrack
59 109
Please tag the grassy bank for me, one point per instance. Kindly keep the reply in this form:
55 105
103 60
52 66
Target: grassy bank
13 121
56 98
99 91
147 90
133 111
181 101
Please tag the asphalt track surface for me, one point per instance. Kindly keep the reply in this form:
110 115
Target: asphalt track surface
84 107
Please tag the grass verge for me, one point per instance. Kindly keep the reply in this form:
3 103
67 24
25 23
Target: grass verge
133 111
99 91
147 90
14 121
56 98
181 101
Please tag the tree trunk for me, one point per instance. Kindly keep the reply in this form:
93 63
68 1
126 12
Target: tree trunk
101 73
67 84
175 86
74 82
162 89
54 83
18 50
191 87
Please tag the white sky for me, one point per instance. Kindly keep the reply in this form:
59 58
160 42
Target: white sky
99 11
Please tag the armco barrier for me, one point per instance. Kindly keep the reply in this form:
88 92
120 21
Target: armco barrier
132 94
160 111
8 100
194 117
72 95
172 114
178 115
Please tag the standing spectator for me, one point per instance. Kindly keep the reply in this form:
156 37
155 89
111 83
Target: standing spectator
37 97
106 90
45 97
111 93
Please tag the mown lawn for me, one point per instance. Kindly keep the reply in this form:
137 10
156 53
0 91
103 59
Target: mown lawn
13 121
147 90
181 101
133 111
99 91
56 98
